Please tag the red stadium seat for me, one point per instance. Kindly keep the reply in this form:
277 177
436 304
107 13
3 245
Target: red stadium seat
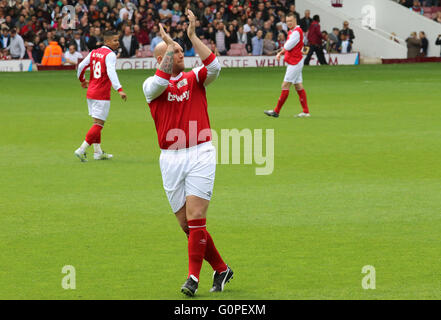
234 52
427 9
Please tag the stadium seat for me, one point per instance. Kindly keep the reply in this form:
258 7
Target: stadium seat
427 9
428 15
234 52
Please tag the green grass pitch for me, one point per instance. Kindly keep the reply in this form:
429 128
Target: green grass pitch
356 184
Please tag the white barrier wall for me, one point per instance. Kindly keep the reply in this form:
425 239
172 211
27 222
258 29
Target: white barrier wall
237 62
396 18
15 65
367 42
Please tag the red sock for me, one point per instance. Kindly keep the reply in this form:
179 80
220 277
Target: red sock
303 102
282 99
213 257
94 134
197 242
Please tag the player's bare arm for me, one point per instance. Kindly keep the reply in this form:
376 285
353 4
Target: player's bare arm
199 47
166 64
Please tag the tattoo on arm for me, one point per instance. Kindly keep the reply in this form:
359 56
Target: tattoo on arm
167 63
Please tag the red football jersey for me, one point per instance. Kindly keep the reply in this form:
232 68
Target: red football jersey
295 55
180 112
99 82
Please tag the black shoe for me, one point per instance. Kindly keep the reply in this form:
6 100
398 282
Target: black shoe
271 113
189 287
220 279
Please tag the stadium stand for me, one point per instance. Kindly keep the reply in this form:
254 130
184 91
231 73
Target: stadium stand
38 22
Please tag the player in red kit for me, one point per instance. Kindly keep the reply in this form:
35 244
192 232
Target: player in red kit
294 58
178 105
102 62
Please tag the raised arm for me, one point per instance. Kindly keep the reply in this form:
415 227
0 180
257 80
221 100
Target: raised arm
154 86
212 67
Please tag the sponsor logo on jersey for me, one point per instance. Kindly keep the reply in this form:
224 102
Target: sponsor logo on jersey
182 83
98 55
174 97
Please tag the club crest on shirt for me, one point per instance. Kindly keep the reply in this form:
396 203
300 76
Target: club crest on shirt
182 83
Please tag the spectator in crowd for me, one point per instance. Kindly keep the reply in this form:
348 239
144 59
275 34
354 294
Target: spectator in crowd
306 21
344 45
79 41
413 45
438 42
424 44
165 14
128 44
52 55
4 54
141 35
38 52
416 7
247 26
223 22
257 44
281 39
292 9
258 21
220 38
406 3
241 36
5 38
71 56
269 45
156 39
393 37
437 17
176 13
16 46
327 46
231 36
334 35
95 40
28 54
347 32
315 42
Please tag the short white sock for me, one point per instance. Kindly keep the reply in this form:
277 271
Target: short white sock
84 146
97 148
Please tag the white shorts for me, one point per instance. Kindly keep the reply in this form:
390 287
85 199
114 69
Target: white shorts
294 73
98 109
187 172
